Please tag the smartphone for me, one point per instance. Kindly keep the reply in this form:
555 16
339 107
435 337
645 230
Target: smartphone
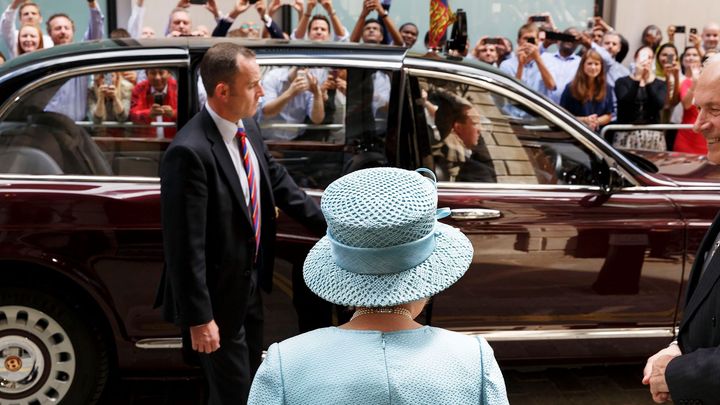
108 79
590 25
493 41
679 29
670 58
198 2
538 18
531 40
693 31
559 36
252 1
159 99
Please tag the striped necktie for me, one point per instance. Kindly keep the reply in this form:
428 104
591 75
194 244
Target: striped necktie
253 186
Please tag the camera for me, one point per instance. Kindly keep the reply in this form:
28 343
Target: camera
459 35
679 29
531 40
538 18
559 36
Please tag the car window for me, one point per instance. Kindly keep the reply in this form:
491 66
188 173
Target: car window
481 136
105 123
322 122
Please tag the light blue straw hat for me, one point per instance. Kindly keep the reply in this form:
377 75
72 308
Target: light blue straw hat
384 245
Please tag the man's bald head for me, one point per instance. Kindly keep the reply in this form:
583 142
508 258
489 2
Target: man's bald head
711 36
707 99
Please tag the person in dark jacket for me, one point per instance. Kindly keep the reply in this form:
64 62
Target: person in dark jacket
687 370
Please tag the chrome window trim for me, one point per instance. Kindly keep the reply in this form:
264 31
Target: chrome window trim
329 63
83 70
91 57
519 95
498 336
75 178
520 187
571 334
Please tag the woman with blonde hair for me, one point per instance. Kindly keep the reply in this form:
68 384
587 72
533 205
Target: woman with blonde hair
29 39
385 254
588 97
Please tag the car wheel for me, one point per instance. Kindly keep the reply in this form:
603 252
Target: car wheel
48 352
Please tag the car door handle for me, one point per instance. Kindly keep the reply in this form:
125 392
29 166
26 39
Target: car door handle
465 214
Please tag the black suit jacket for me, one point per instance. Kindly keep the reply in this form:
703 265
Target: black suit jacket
207 233
694 377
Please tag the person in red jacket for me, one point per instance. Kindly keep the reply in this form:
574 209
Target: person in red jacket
155 100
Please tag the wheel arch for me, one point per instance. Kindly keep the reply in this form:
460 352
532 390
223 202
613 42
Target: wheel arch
75 292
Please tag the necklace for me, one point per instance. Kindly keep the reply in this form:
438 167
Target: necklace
392 310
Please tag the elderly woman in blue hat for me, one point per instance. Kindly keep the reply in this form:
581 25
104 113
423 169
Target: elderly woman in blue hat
385 254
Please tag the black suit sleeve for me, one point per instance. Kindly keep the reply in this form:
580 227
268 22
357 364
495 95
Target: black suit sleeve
694 376
184 195
222 27
274 31
290 198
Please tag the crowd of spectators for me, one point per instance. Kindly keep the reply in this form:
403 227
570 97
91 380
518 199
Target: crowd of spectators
582 70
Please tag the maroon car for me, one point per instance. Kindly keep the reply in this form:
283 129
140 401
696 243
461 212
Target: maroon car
581 251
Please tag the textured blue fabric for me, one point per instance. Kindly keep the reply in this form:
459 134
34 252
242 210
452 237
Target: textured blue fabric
386 260
420 366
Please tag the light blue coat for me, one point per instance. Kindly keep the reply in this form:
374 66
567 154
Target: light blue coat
420 366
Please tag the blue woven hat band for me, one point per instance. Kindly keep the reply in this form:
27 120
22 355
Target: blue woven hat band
379 261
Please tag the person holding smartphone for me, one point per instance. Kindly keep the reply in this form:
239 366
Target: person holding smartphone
485 50
688 140
153 100
667 68
526 64
640 98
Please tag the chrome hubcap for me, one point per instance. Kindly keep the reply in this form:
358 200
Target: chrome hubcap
37 359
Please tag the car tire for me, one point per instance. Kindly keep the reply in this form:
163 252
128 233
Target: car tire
49 352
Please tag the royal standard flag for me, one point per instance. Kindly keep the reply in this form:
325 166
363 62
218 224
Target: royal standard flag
440 18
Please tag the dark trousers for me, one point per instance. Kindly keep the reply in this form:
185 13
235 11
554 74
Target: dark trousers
230 369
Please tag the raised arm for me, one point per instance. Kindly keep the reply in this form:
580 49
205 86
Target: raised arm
95 26
137 15
360 24
389 24
338 28
304 20
7 26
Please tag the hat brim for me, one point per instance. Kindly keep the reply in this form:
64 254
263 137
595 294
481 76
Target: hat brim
449 261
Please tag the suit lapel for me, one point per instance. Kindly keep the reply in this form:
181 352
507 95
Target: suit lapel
222 156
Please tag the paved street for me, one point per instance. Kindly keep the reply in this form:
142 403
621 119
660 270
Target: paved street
597 385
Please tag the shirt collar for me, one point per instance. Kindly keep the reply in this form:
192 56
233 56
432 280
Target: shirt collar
164 90
228 130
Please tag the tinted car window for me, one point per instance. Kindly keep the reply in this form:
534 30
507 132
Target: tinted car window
482 136
104 123
320 139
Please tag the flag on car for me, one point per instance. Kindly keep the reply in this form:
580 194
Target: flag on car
440 18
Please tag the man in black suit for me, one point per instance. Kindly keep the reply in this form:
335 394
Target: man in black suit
218 194
688 370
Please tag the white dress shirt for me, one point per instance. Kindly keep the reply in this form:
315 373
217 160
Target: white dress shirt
228 131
